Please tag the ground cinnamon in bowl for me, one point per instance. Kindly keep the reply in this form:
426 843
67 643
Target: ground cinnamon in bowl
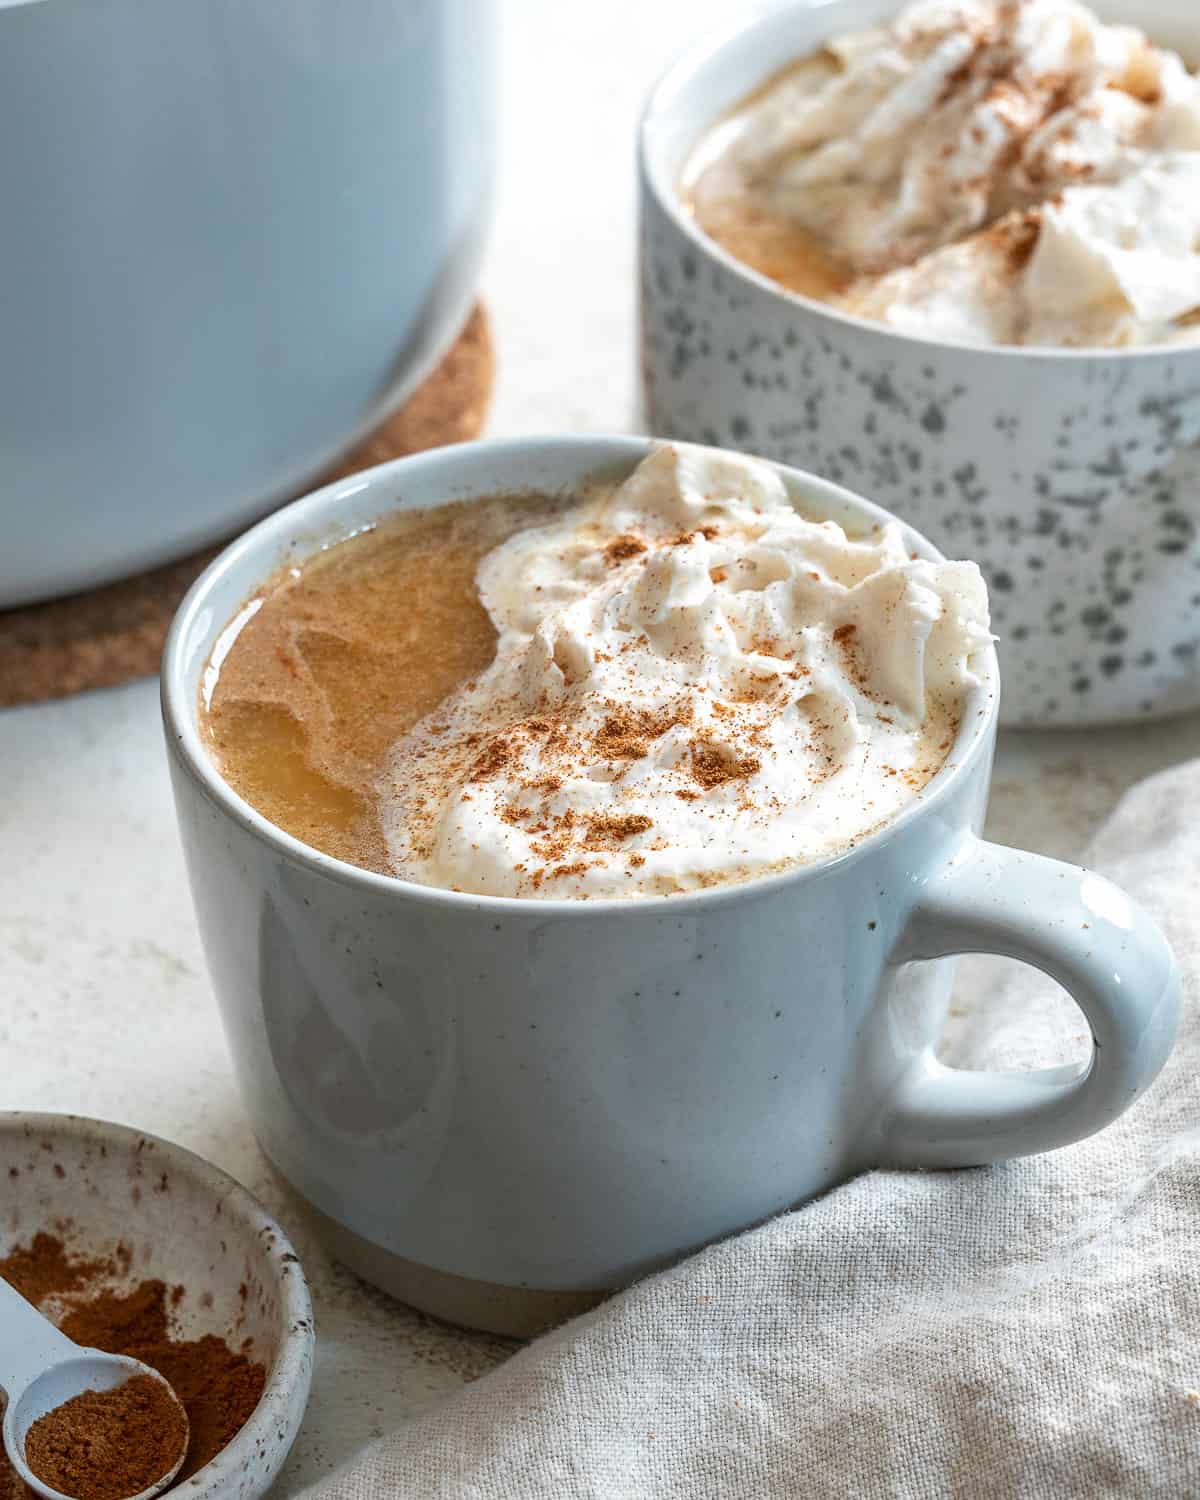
108 1445
218 1386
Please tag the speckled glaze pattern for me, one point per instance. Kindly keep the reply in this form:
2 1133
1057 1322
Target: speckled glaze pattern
1072 479
102 1185
562 1095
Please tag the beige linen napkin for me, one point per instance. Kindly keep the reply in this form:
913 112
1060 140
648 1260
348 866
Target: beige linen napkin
1026 1330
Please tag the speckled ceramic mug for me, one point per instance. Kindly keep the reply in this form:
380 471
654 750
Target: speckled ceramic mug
502 1108
1073 478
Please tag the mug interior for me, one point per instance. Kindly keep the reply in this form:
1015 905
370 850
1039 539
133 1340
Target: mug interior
209 618
717 74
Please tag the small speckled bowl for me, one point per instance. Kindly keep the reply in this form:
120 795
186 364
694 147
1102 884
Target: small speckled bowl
98 1186
1071 476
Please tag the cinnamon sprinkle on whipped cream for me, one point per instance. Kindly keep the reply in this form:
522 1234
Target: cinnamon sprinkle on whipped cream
993 171
649 728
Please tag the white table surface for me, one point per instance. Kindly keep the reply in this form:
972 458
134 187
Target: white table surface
105 1007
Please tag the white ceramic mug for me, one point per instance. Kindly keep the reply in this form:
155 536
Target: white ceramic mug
1070 476
502 1108
235 234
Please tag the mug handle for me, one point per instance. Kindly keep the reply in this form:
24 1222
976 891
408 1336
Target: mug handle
1091 938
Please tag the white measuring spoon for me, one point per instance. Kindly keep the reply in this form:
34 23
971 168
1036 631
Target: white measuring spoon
40 1368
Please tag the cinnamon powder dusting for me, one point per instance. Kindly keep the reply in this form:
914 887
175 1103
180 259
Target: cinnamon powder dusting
492 760
685 538
622 548
219 1386
713 765
626 732
604 831
108 1445
43 1269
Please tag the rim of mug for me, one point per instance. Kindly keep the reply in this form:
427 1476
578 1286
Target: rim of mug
315 511
658 106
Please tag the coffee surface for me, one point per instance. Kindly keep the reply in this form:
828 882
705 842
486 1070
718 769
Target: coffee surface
342 654
737 208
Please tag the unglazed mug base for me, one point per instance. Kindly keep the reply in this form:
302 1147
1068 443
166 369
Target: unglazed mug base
1070 476
485 1306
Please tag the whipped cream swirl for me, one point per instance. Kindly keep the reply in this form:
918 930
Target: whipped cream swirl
998 171
693 684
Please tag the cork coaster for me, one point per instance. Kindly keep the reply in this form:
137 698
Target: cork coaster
113 634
